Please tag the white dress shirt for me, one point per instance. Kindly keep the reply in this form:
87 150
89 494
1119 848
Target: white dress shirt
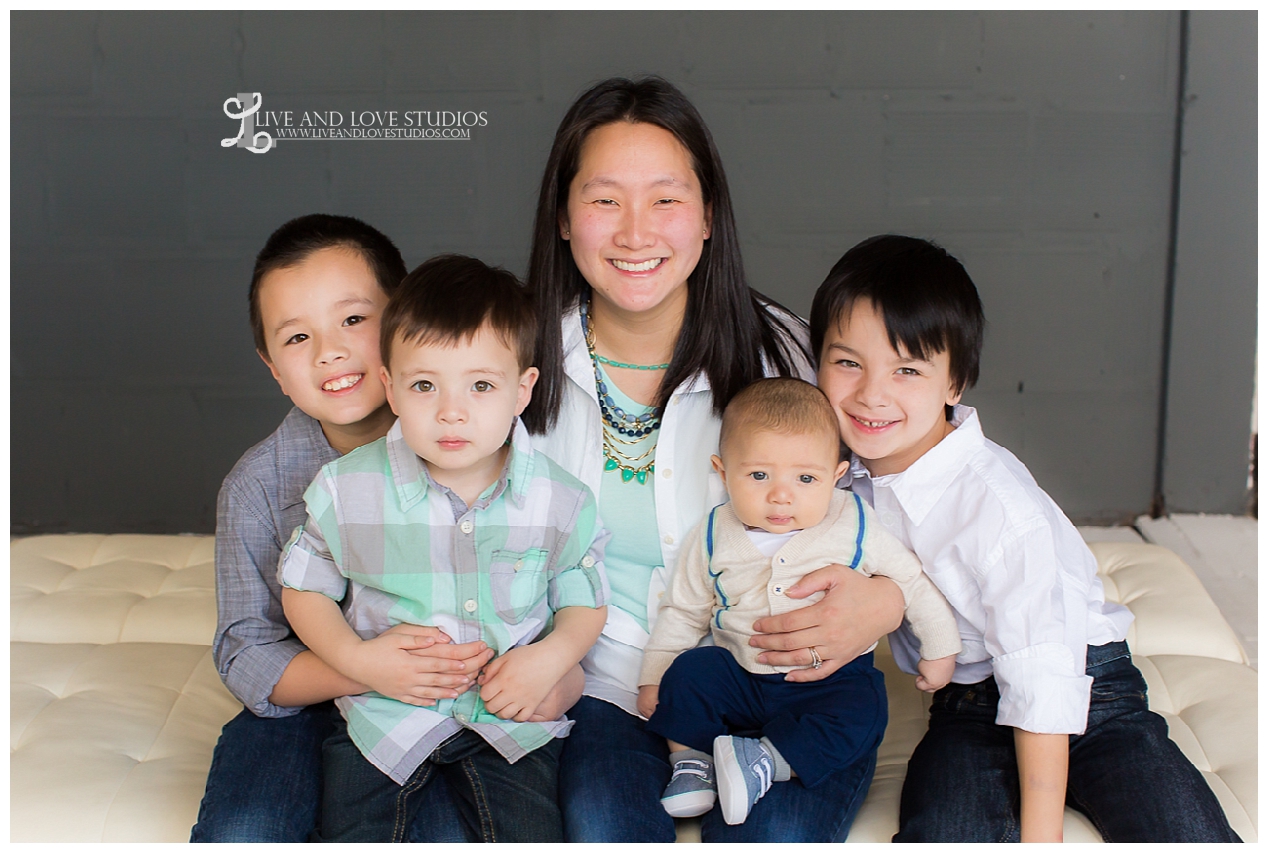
1021 580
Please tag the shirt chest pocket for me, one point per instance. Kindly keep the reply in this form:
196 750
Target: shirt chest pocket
518 582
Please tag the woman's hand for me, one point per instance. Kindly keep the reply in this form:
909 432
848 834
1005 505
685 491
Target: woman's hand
855 612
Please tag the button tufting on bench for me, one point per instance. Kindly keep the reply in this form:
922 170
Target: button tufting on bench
115 705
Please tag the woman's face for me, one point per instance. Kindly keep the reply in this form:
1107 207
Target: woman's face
636 218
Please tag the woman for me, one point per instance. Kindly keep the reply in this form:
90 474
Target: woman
635 251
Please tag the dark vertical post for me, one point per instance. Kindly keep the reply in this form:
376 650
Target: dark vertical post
1159 504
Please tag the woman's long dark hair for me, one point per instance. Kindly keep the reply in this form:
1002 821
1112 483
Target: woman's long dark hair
726 331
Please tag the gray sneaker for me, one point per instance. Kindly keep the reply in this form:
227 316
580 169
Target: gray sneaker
745 771
692 790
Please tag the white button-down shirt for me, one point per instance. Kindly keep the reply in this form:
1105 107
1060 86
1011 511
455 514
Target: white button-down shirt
1021 580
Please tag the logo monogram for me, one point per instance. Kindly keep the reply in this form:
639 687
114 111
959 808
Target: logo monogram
247 137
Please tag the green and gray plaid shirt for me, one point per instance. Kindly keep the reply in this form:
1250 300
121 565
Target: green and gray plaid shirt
395 546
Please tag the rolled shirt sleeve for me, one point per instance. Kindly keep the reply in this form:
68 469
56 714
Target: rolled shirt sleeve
310 561
579 579
1036 635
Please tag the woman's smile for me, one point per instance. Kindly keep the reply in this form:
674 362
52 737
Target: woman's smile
637 266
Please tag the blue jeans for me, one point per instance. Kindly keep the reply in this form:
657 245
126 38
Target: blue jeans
1125 774
265 783
496 800
613 772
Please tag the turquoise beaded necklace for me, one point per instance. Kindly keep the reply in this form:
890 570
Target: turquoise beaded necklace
611 363
617 422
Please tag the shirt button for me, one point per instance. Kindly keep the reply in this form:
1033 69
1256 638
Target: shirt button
466 526
778 590
667 473
519 564
669 540
469 605
462 718
782 561
587 561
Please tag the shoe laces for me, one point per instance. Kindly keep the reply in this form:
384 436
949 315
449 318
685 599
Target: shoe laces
764 769
692 767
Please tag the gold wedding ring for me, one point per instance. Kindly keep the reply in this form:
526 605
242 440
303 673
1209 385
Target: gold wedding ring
815 660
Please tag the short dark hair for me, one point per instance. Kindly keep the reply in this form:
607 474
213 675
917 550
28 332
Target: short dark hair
449 298
780 404
927 300
296 240
729 330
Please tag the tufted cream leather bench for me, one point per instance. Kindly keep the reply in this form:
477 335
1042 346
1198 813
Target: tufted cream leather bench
115 705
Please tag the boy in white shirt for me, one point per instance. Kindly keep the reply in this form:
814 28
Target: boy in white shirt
1045 707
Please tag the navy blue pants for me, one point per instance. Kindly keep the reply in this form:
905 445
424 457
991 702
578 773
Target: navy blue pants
613 772
1126 775
819 726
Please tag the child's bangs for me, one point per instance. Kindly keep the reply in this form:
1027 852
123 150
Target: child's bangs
916 329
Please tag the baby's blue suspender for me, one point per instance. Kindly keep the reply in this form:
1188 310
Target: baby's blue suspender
717 583
858 540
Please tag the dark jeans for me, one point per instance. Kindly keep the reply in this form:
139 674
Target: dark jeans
1126 775
818 726
265 783
496 800
613 772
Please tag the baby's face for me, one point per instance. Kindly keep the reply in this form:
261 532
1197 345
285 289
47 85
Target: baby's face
780 482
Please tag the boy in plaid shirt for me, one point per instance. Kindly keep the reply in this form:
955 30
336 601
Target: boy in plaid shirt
450 520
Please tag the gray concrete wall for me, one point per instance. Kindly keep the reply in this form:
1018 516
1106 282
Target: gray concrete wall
1036 146
1212 364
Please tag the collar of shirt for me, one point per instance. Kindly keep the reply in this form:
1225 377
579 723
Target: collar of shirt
920 487
412 479
580 368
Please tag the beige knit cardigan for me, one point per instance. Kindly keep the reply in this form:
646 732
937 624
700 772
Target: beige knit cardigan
726 593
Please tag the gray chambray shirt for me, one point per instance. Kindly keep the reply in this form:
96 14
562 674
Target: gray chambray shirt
261 503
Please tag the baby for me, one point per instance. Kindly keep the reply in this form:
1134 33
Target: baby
779 460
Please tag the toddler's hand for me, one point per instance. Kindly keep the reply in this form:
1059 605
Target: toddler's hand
648 699
516 682
935 674
566 693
